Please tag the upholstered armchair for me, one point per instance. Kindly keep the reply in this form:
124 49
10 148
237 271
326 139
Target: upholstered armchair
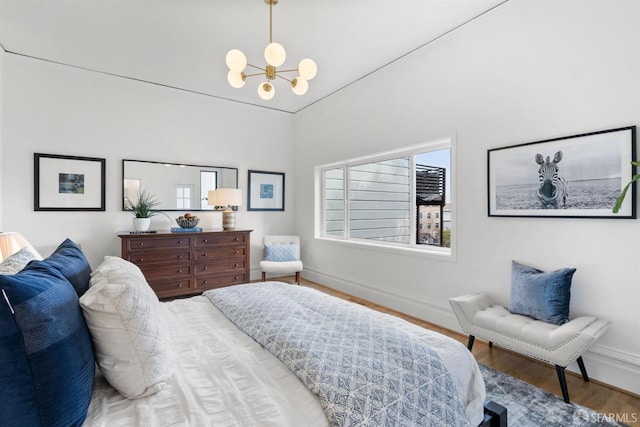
281 256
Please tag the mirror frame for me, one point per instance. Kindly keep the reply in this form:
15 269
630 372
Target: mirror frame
172 164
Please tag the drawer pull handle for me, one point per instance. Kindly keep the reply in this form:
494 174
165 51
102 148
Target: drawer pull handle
236 265
236 239
179 285
179 256
179 242
141 259
179 270
141 244
205 268
205 240
236 252
205 282
204 254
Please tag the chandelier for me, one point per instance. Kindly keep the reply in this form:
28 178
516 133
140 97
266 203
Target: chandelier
275 56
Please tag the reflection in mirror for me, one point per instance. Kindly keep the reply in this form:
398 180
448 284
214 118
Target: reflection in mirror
177 187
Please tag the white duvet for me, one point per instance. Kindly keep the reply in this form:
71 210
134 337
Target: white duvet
224 378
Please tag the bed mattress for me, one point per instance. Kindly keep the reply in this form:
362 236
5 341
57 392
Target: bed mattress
224 378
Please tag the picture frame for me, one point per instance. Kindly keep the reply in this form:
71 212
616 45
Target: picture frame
577 176
266 191
68 183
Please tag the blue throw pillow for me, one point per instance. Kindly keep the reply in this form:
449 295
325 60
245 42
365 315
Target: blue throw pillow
543 296
46 358
282 253
69 260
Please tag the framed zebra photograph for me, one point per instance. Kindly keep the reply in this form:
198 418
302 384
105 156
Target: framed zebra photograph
578 176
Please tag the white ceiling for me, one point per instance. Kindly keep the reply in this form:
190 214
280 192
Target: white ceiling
183 43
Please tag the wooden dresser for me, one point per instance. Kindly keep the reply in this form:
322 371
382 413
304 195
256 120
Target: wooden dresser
177 264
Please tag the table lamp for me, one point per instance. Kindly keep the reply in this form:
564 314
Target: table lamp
11 242
226 197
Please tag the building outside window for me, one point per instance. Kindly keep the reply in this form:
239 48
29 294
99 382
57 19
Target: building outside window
396 199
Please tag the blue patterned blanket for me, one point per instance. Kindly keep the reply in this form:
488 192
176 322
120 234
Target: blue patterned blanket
365 372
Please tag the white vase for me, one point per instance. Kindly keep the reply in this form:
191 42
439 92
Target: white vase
141 224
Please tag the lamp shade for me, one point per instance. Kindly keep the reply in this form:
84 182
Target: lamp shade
12 242
225 197
275 54
307 69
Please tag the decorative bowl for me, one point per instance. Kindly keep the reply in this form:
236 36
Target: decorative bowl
187 222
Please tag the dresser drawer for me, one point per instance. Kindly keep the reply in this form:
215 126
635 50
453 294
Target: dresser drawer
136 244
171 286
216 252
151 271
220 239
159 256
218 266
179 264
204 283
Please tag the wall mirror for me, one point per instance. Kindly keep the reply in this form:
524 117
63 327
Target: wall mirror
178 187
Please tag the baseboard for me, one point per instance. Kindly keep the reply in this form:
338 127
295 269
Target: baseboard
607 365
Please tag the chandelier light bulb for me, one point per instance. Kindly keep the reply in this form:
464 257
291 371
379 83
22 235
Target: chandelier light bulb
275 54
236 79
266 91
236 60
307 69
299 86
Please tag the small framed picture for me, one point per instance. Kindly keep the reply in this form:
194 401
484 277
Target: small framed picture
578 176
266 191
68 183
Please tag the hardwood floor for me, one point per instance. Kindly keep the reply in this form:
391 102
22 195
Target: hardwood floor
597 396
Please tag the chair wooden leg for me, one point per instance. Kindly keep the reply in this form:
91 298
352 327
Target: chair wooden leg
264 276
563 383
297 277
470 343
583 370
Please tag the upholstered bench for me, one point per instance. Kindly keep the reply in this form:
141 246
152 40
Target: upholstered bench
559 345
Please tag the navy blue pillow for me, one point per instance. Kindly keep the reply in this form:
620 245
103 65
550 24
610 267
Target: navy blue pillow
69 260
543 296
46 357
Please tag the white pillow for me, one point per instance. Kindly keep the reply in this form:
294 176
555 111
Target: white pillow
18 261
130 338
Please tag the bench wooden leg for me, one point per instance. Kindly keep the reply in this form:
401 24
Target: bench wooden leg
470 343
563 383
298 277
583 370
264 276
490 344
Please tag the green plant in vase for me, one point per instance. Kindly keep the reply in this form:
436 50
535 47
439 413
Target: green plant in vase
143 210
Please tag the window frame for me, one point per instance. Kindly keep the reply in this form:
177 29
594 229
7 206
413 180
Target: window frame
447 142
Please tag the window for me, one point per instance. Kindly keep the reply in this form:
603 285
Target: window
397 199
183 196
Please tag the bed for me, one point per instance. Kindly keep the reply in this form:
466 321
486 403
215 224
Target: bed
202 361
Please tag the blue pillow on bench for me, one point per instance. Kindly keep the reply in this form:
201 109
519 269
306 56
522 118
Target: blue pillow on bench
46 355
543 296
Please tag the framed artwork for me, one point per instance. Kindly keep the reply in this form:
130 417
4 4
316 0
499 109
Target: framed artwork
266 191
68 183
578 176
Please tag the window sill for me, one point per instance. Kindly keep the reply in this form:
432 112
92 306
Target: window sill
441 254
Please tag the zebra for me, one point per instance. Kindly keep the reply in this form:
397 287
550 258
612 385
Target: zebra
552 189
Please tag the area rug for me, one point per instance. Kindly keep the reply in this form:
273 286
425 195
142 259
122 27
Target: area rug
530 406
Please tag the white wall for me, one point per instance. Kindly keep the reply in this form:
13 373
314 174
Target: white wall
54 109
529 70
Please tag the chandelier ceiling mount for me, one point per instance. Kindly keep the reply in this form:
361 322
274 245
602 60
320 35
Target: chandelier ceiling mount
275 56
